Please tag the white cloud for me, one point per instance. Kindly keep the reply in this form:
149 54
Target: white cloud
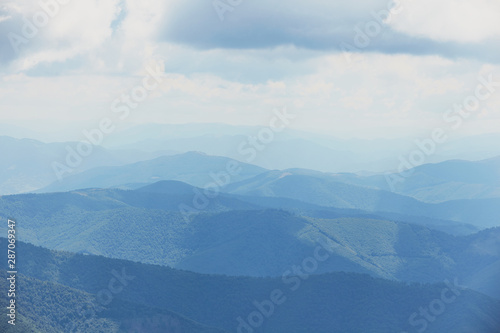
106 36
384 91
69 30
106 44
449 20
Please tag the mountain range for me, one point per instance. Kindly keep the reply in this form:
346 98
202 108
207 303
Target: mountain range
148 225
170 240
65 292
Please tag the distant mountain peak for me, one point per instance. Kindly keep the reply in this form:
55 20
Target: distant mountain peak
195 152
167 187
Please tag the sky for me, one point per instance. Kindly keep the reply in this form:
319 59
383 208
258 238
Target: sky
366 68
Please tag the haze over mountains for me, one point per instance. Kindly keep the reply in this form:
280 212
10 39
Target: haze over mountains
289 149
350 191
27 165
298 149
194 168
189 223
449 180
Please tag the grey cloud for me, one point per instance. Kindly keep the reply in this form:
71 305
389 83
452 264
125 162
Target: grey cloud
7 52
16 38
314 25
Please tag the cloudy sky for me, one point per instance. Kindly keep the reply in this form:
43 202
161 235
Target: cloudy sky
343 67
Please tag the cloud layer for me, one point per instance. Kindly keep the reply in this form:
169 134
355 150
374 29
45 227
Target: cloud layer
344 66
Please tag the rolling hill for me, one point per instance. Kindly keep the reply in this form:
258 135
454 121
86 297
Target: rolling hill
63 287
235 237
296 149
193 168
26 165
48 307
313 187
439 182
324 190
